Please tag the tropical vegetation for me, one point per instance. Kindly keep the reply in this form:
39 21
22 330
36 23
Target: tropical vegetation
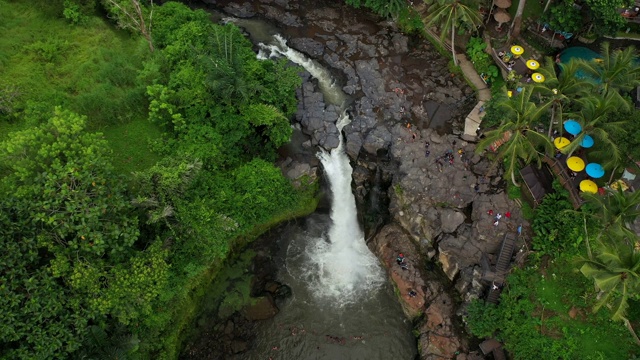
598 240
109 240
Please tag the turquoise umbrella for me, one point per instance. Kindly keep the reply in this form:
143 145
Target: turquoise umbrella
595 170
587 142
572 127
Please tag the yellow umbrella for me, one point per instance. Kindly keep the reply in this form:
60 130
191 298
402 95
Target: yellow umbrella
561 142
517 50
537 77
532 64
588 186
575 163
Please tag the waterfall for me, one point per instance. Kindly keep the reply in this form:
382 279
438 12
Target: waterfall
339 266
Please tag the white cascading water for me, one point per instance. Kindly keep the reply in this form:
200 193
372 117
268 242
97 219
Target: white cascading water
346 269
338 267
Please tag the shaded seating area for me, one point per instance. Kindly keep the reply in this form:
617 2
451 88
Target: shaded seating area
538 182
508 61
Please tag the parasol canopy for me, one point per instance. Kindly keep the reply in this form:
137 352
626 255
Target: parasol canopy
572 127
501 17
561 142
532 64
517 50
588 186
587 142
537 77
595 170
575 163
503 4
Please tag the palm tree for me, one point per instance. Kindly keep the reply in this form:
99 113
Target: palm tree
514 31
560 89
615 270
617 211
525 143
594 115
451 14
617 71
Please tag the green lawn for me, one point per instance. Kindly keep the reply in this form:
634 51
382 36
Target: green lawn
91 70
130 144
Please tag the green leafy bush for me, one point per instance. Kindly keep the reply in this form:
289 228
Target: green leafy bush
481 60
385 8
563 16
410 21
557 228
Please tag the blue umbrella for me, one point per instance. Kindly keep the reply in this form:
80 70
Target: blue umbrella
595 170
587 142
572 127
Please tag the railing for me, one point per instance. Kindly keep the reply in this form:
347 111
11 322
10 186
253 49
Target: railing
565 180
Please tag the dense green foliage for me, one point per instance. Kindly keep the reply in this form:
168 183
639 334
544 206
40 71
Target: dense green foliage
545 313
100 262
558 229
563 16
605 17
386 8
72 237
555 314
481 60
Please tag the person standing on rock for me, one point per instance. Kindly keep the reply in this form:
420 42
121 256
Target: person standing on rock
400 259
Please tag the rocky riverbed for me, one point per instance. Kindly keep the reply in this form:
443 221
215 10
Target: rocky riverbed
422 190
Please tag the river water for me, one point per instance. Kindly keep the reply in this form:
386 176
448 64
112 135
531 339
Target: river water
364 323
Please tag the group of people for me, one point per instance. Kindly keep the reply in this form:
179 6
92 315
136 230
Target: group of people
498 216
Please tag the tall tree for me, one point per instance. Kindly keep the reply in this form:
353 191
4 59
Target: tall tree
560 89
594 115
524 143
615 269
451 16
616 211
71 257
514 31
132 15
616 73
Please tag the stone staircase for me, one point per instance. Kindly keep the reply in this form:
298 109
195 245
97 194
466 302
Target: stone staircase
502 265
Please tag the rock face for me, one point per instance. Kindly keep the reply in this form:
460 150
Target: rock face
400 92
437 337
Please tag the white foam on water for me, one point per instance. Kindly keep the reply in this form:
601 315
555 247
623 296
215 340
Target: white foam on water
338 267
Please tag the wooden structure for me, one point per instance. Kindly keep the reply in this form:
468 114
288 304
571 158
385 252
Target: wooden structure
537 181
560 170
494 347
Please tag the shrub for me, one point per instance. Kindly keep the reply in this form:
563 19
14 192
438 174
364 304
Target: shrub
557 228
481 60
